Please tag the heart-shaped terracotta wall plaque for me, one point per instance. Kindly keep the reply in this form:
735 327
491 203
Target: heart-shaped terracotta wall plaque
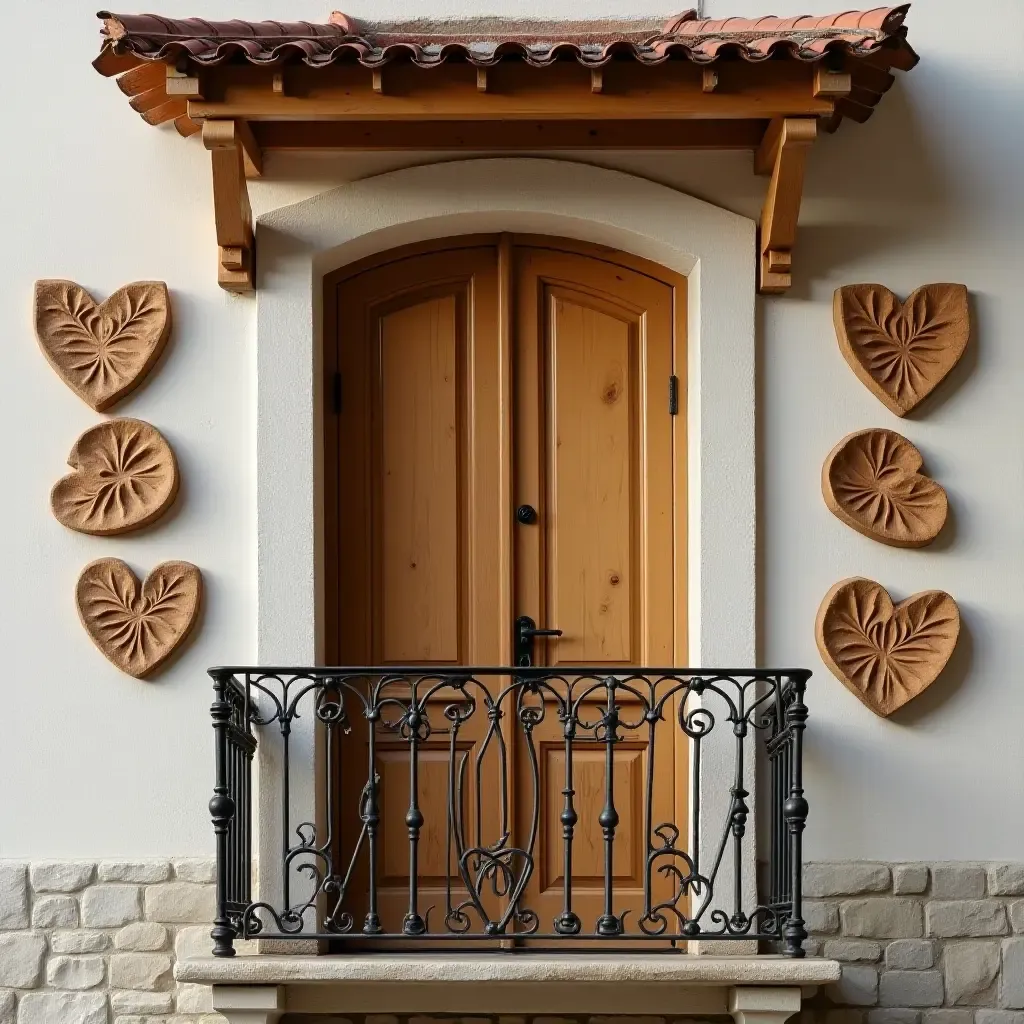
138 627
901 351
102 352
125 477
872 481
885 655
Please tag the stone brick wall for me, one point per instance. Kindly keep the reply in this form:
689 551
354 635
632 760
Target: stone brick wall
938 943
88 943
95 943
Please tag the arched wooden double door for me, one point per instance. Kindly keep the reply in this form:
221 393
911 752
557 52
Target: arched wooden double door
471 378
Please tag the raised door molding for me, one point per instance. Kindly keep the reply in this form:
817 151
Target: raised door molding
125 477
885 654
102 351
872 481
138 626
901 351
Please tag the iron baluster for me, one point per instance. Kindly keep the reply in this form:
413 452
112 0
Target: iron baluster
371 818
568 923
608 923
222 810
413 923
795 810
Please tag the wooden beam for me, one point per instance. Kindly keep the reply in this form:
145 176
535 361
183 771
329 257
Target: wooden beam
709 80
277 84
783 151
481 79
515 91
507 135
596 80
231 211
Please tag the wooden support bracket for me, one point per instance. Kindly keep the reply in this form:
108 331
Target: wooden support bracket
227 142
782 154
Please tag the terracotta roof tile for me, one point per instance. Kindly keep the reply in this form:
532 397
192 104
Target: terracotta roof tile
129 39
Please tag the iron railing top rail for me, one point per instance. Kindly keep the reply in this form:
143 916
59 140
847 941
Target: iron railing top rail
527 671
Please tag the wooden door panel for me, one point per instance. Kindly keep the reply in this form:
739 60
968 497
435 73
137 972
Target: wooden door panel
593 517
594 450
421 519
422 431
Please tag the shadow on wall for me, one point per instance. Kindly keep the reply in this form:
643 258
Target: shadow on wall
870 188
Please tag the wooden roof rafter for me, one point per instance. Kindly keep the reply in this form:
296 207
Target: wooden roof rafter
768 85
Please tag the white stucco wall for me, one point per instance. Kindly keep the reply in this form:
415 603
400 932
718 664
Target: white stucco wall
94 763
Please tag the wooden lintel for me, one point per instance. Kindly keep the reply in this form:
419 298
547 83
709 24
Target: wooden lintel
709 80
231 211
564 91
783 154
481 79
668 134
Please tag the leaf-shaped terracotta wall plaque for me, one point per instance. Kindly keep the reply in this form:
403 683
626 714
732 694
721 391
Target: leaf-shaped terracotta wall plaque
103 351
885 655
138 627
872 481
125 477
901 351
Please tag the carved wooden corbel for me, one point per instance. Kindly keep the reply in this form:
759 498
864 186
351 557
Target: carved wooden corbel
234 153
782 154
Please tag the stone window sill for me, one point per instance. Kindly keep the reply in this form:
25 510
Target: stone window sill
754 989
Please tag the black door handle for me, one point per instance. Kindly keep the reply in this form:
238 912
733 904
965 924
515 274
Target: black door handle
522 639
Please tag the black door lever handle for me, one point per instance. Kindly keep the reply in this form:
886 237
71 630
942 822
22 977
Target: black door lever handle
522 639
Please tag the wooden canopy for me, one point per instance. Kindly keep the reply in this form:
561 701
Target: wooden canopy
766 84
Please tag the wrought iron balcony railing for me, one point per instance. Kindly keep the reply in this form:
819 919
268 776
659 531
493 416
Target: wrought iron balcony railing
510 807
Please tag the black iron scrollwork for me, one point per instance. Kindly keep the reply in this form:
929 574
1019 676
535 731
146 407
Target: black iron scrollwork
485 724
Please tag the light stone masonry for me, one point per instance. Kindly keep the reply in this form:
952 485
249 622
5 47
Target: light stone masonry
76 948
919 943
134 871
909 955
79 942
950 919
947 933
13 896
22 955
111 906
75 972
1011 989
971 969
1006 879
893 1015
61 875
55 912
142 937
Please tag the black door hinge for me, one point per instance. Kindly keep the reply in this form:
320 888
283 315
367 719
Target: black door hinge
336 393
673 395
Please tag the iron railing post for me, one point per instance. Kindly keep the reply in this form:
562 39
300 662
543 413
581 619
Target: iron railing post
795 811
222 811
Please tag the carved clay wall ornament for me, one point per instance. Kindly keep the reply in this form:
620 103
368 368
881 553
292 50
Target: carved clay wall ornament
138 628
885 655
125 477
901 352
102 352
872 481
